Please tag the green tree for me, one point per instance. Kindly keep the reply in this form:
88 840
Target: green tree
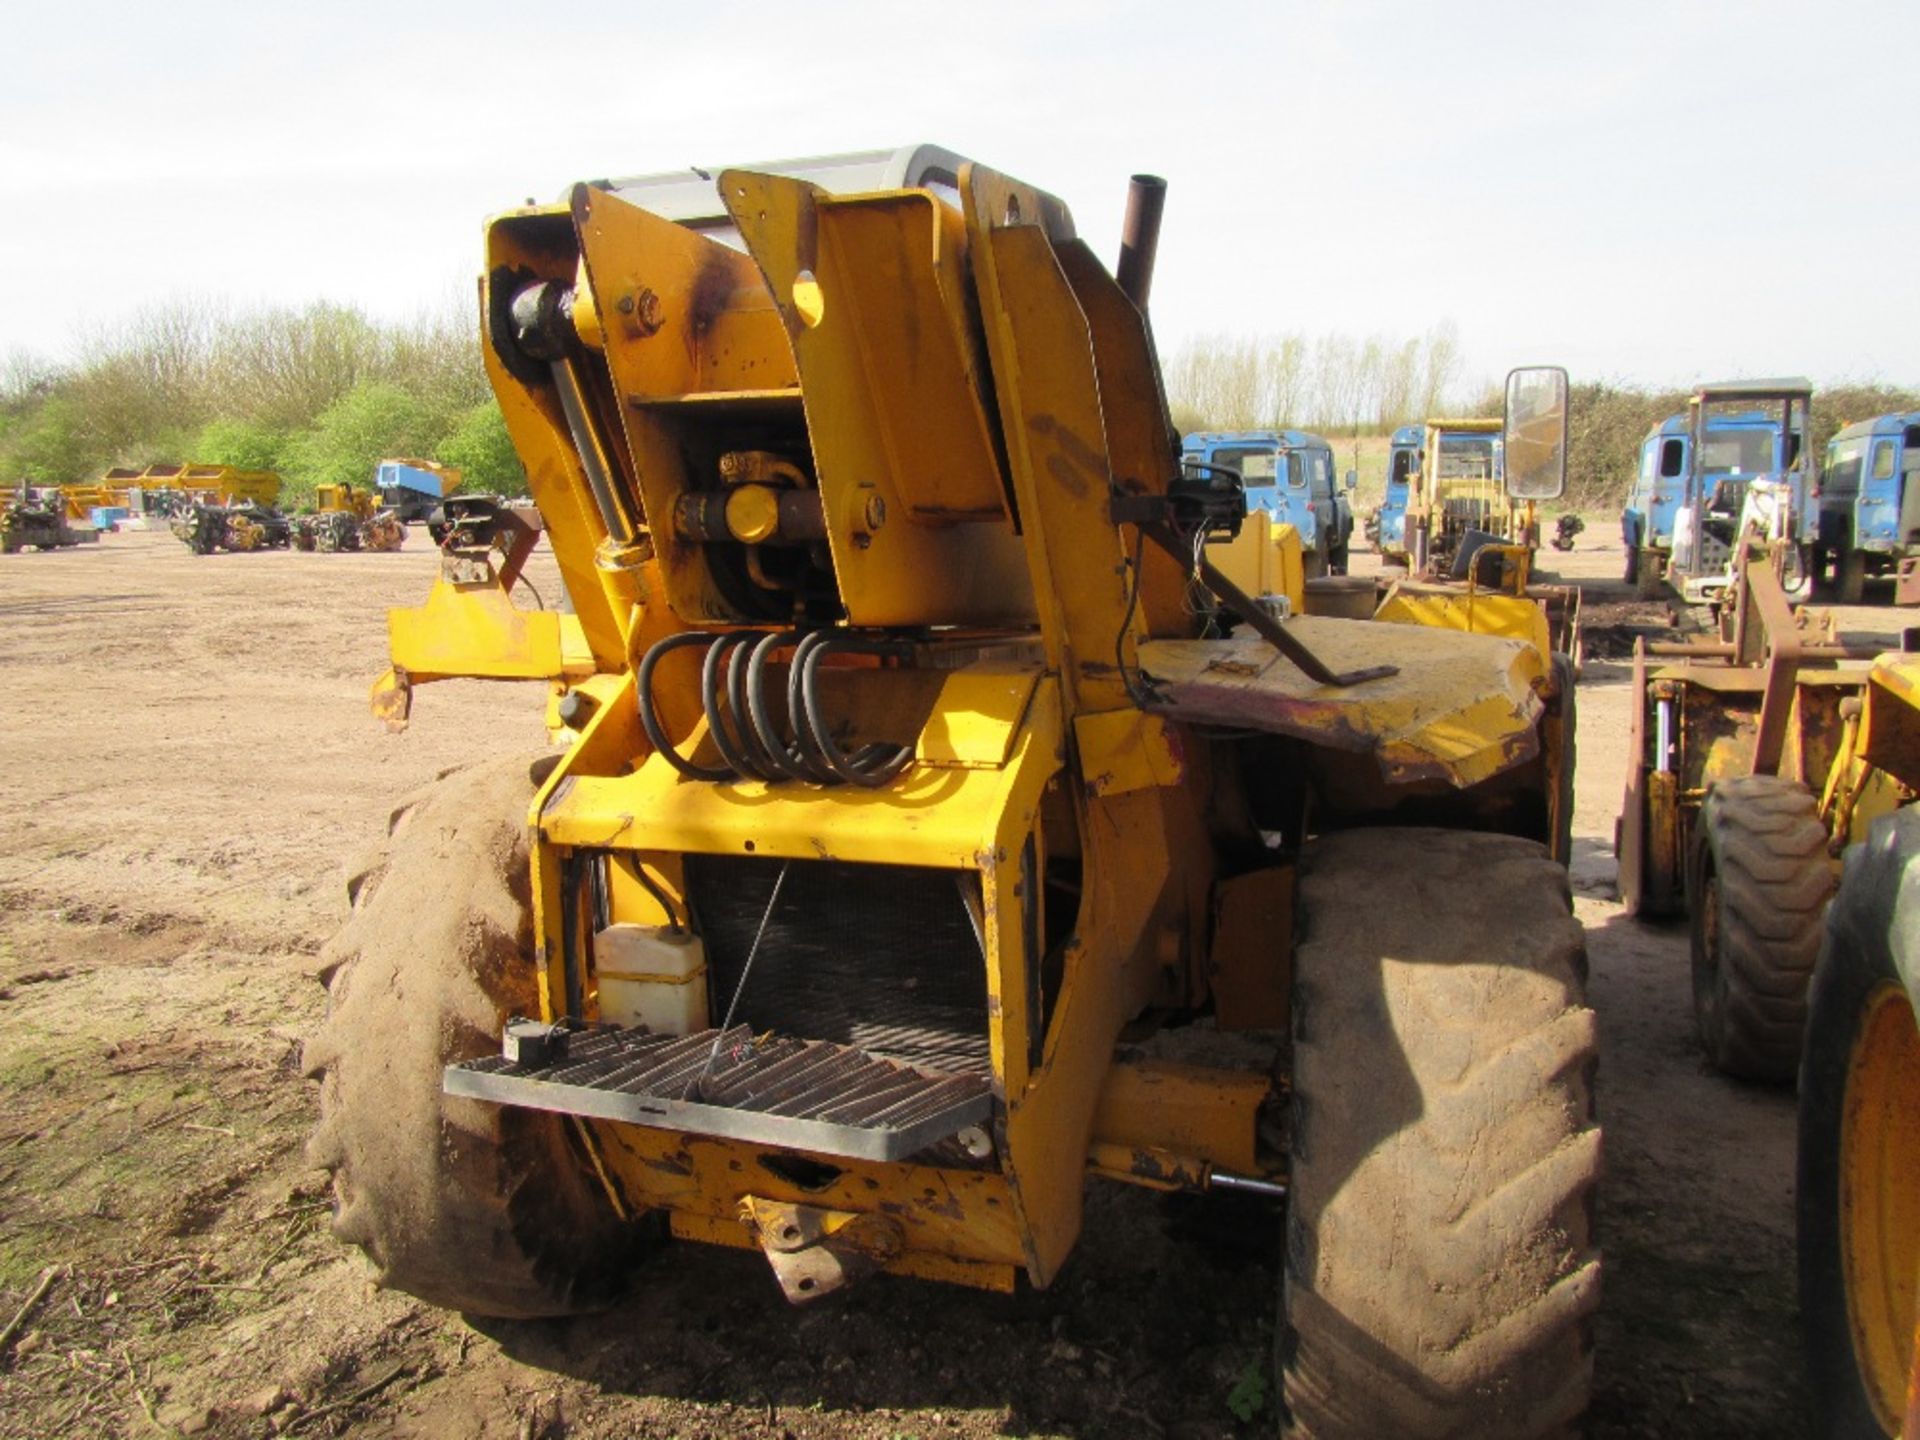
479 446
369 423
239 442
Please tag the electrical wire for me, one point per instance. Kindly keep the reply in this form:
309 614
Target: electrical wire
700 1080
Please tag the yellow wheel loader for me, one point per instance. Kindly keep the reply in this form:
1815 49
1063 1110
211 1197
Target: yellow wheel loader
1858 1194
1756 756
922 763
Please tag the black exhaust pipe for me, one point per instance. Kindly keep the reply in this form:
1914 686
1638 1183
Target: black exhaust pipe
1140 237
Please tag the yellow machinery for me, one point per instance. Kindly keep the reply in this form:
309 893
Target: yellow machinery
215 484
348 517
923 763
1751 766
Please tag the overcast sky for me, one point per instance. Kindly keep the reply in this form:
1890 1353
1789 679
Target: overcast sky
1661 192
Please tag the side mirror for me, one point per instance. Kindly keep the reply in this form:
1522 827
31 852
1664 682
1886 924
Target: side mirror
1353 480
1535 432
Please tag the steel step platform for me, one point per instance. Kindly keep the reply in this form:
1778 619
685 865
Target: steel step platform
810 1095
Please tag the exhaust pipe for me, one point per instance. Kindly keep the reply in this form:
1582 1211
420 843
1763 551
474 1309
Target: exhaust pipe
1140 237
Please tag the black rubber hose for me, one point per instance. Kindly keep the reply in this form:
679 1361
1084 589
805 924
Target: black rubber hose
650 720
803 738
710 697
789 760
875 765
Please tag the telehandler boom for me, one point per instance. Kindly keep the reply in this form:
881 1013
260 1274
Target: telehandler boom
922 763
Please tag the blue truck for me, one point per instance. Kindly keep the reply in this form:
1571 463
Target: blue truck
1870 506
1742 444
1389 525
1734 464
1290 475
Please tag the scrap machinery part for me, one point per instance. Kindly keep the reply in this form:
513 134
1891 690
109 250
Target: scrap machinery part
917 759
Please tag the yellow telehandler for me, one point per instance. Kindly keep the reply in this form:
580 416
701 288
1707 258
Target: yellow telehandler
922 763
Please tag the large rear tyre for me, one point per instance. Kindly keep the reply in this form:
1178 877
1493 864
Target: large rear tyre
1440 1271
1757 889
485 1209
1632 575
1858 1204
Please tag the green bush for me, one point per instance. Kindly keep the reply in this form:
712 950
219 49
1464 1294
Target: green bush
479 447
370 423
239 442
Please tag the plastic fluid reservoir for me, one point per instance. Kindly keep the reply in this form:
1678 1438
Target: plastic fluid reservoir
653 976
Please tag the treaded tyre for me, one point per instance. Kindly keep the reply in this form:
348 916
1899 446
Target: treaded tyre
1857 1197
485 1209
1632 575
1440 1271
1757 888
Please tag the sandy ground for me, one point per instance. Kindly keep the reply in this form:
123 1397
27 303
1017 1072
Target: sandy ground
187 759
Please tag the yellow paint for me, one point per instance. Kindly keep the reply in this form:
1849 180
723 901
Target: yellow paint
1880 1197
919 1264
1122 750
753 513
1475 611
476 630
1191 1110
1264 559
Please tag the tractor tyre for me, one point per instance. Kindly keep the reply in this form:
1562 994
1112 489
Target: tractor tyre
1632 575
1850 577
1858 1206
1337 561
1566 682
491 1210
1651 580
1758 882
1440 1272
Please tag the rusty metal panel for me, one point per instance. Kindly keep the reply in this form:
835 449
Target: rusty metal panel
1890 725
1460 707
1251 953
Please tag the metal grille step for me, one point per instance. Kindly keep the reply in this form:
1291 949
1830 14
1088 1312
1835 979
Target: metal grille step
810 1095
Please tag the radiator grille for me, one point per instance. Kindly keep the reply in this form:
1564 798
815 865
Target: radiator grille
881 957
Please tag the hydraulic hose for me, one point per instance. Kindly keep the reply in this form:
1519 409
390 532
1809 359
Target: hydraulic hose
730 747
650 719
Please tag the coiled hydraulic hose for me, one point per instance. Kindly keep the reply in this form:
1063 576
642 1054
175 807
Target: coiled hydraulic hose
733 696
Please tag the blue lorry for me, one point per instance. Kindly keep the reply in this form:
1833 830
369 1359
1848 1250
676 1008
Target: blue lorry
1290 475
1744 473
1389 527
1870 506
1738 445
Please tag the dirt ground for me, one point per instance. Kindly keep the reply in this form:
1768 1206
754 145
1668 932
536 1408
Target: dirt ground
188 758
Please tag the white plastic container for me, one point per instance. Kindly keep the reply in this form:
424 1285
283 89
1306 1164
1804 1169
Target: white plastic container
652 976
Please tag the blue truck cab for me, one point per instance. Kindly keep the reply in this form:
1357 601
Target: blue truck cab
1738 446
1870 499
1403 468
1290 475
1746 471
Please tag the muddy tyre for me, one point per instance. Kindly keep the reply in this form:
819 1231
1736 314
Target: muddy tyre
1860 1143
479 1208
1758 882
1440 1271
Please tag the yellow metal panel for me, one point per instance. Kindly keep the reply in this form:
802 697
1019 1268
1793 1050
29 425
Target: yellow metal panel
1478 612
901 441
935 817
475 630
1122 750
977 715
1201 1111
684 320
1890 720
1461 707
1264 559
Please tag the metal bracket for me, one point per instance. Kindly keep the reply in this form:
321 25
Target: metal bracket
815 1252
1256 616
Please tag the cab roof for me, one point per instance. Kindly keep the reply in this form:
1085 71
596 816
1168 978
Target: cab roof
1716 392
1893 424
1281 439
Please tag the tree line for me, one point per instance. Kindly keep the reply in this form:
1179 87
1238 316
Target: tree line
320 394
